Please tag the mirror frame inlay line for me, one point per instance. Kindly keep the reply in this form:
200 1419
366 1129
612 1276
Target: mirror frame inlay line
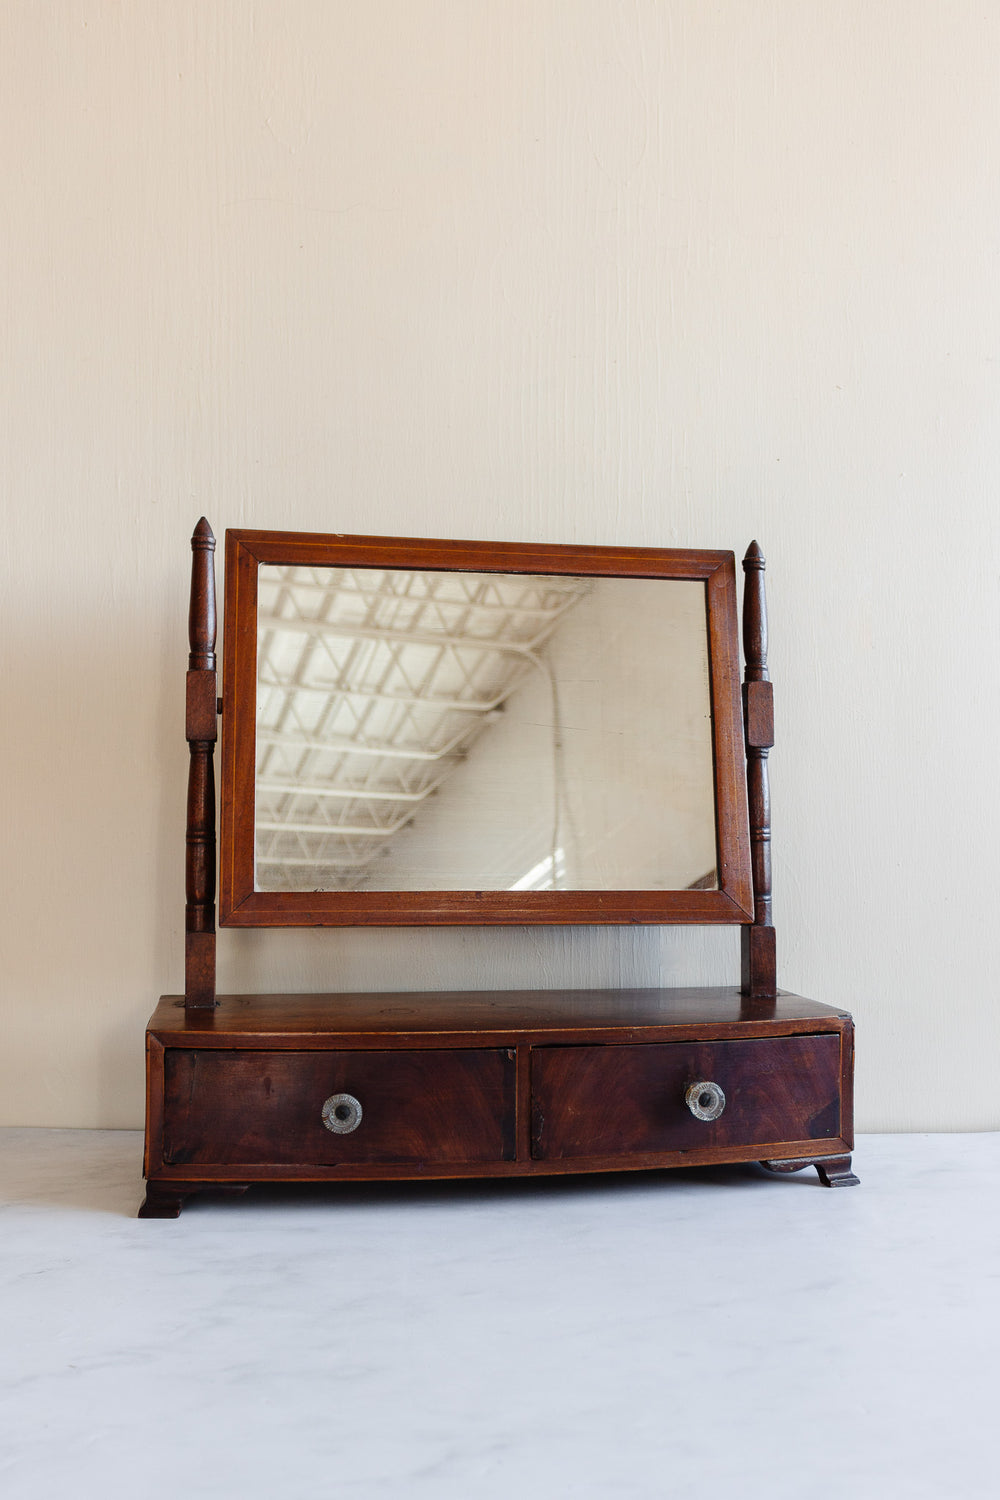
240 905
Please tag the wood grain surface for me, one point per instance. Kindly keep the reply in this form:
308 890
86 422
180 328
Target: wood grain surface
588 1101
254 1106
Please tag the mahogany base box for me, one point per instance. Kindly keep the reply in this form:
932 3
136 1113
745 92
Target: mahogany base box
347 1088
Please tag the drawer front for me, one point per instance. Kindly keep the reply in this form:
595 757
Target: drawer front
227 1107
602 1101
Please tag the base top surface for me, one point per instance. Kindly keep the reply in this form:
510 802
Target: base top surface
500 1011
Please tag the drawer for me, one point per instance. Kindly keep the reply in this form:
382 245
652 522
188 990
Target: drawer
229 1106
602 1101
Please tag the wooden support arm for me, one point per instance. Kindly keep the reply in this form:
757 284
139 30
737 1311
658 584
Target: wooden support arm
202 732
759 969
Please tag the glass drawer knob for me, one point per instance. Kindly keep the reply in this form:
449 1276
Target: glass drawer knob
706 1101
342 1113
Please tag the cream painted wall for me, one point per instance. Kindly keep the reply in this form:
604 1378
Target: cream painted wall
663 273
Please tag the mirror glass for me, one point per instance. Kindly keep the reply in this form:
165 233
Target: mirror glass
453 731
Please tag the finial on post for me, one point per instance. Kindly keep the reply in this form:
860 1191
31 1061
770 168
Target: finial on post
759 976
202 732
201 616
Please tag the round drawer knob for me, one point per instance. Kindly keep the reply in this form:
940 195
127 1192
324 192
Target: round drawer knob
706 1101
342 1114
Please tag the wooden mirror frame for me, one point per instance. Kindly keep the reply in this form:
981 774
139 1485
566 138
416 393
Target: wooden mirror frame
243 906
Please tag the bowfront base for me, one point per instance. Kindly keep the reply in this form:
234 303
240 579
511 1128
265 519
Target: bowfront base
342 1088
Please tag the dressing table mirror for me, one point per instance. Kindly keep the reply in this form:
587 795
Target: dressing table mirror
421 732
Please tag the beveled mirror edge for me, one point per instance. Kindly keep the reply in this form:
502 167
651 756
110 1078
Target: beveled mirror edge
240 905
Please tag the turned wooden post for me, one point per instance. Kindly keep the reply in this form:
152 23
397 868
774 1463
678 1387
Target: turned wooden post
759 971
202 732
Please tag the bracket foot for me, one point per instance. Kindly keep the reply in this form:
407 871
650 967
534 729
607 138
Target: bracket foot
161 1203
165 1201
834 1171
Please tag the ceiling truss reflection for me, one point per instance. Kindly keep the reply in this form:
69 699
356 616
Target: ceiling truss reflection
373 686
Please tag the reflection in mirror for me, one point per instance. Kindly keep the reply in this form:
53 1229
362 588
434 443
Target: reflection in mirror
458 731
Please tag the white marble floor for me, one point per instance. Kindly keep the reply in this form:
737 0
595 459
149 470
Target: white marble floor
698 1334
